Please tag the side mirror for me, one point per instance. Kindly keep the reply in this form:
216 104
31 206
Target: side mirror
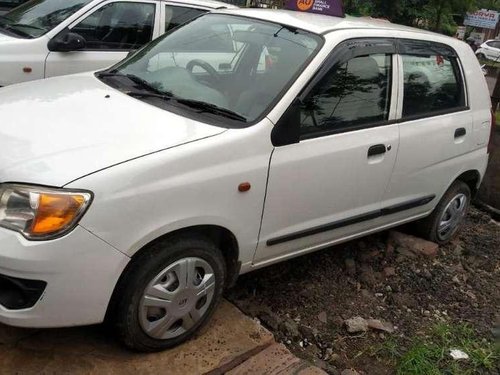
67 42
287 129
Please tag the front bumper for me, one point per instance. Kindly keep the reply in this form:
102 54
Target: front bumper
80 271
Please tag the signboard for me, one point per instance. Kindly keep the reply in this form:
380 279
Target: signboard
486 19
327 7
460 32
478 37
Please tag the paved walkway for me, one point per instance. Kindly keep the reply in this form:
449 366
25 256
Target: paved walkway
232 343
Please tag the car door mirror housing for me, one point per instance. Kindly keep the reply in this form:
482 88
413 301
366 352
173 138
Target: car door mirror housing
67 42
287 129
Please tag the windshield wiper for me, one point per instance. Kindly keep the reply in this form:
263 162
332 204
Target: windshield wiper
137 80
27 26
143 94
211 108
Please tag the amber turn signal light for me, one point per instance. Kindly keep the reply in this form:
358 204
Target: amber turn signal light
56 212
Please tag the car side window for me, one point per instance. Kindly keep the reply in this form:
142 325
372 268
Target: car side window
353 94
118 26
431 83
176 16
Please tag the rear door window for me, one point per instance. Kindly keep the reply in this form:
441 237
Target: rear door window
176 16
433 81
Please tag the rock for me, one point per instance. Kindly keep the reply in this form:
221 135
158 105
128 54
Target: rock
457 354
270 319
308 332
350 266
403 300
427 274
368 277
322 317
389 250
458 250
380 325
405 253
426 313
328 353
416 245
349 372
389 271
356 325
388 289
289 328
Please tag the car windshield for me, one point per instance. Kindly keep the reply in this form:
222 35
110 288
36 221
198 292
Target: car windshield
225 66
37 17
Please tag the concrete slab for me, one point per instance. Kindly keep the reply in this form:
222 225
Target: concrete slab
275 360
229 340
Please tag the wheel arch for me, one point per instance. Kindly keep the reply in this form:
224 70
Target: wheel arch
472 178
221 237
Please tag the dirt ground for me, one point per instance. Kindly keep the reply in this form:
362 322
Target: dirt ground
305 301
490 188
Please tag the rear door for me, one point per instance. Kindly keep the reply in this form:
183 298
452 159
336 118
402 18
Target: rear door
330 184
110 31
436 127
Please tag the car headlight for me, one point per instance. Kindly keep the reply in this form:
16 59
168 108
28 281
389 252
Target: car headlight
41 213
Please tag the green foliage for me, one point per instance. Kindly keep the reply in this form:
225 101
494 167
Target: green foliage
436 15
431 356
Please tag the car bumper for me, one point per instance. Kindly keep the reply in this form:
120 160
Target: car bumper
75 276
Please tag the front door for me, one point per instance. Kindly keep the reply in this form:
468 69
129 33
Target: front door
330 184
110 32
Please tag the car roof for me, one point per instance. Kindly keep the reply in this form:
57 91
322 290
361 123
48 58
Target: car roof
322 24
212 4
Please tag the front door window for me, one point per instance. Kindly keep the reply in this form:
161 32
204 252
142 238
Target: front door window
118 26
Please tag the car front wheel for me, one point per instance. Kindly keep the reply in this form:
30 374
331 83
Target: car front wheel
169 293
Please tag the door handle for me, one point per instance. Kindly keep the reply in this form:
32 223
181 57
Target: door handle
376 150
460 132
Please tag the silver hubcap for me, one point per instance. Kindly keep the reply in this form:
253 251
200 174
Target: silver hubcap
177 298
452 217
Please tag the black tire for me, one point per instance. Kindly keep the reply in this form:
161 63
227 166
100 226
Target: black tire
428 227
481 57
145 268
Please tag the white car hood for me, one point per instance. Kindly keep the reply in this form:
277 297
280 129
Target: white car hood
57 130
5 38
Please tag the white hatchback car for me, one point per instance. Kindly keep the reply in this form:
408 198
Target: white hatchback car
138 193
489 50
47 38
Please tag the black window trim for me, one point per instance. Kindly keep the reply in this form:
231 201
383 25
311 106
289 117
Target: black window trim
70 28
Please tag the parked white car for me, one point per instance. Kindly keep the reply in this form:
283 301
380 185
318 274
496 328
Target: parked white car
489 50
139 192
47 38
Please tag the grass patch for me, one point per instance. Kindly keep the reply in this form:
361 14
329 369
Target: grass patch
497 115
431 355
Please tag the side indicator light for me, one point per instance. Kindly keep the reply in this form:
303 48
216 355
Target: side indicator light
244 187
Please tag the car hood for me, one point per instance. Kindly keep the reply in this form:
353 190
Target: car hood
57 130
6 38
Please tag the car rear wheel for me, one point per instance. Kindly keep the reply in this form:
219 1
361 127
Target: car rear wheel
169 293
445 221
